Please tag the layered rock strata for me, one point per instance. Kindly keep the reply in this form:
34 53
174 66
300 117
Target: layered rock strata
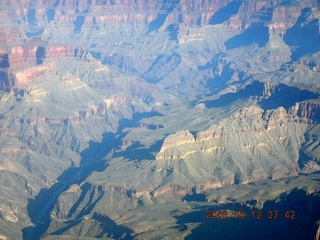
252 144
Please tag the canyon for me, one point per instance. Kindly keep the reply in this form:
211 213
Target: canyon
129 119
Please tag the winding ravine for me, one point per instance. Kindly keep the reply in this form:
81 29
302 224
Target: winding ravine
47 198
93 159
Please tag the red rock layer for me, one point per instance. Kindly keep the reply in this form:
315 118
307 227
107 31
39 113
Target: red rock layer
20 57
141 13
23 56
309 110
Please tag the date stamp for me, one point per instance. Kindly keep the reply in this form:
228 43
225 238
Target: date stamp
254 214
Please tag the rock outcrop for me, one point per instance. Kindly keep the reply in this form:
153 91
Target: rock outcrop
307 109
33 54
250 144
27 57
179 138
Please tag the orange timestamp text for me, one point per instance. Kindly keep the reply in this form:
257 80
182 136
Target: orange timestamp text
254 214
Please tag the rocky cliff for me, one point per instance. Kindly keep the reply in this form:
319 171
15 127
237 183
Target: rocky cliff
125 24
27 57
249 135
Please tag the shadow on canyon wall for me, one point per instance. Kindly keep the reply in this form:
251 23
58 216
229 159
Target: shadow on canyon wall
282 96
256 33
166 9
39 208
304 36
224 13
92 160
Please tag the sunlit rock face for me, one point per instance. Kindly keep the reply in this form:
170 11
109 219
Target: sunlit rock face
116 115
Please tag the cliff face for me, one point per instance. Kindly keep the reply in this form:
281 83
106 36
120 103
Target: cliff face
250 120
247 135
23 57
177 139
143 13
310 110
264 138
48 30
